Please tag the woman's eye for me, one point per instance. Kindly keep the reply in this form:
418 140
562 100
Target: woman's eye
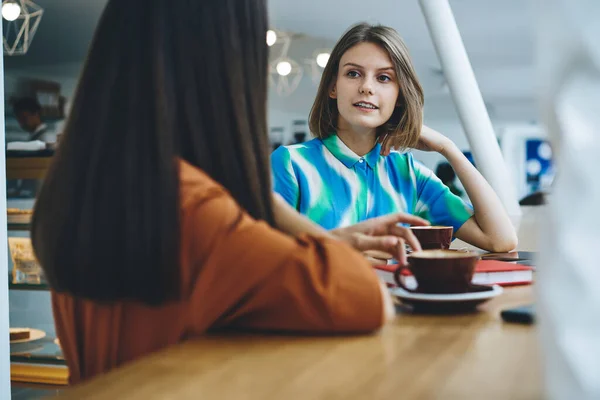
352 74
384 78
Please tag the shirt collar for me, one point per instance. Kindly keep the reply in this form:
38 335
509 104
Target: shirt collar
346 156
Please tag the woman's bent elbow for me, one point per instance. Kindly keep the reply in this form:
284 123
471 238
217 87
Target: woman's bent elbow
507 244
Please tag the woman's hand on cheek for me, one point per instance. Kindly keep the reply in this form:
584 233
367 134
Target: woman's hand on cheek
429 140
432 140
386 144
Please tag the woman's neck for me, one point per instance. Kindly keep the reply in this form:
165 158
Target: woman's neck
360 142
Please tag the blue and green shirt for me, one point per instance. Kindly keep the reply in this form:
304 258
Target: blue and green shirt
333 186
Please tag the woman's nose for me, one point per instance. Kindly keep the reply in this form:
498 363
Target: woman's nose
366 87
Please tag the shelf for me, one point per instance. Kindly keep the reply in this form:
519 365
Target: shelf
33 359
39 373
18 227
31 155
27 286
44 119
39 361
40 287
42 351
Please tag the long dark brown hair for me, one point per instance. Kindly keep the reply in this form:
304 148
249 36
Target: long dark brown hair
404 126
163 80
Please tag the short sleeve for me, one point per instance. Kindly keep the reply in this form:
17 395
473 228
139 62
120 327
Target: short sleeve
435 202
284 179
252 276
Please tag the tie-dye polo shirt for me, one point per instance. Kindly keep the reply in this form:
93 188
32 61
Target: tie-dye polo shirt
334 187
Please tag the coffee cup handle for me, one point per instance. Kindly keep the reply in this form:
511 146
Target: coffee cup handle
398 278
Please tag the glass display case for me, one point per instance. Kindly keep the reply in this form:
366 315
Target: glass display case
38 367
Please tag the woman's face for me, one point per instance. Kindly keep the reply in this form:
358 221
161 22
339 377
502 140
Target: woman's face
366 88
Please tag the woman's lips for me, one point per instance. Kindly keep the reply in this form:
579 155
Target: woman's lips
365 106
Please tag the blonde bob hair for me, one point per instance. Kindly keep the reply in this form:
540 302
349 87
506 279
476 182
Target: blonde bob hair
404 126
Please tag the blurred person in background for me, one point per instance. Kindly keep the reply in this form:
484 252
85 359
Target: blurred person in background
446 173
27 111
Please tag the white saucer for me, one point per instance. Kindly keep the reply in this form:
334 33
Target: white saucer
448 302
34 334
404 294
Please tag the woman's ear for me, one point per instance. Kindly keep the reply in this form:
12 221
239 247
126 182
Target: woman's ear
333 92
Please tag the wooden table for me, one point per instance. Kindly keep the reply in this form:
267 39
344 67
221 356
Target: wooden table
475 356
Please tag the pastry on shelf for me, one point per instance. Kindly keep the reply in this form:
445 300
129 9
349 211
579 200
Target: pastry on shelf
18 211
19 334
26 268
18 216
25 335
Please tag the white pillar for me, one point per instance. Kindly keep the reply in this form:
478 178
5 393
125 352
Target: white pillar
4 344
468 100
568 299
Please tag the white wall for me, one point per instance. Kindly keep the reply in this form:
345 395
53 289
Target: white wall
4 344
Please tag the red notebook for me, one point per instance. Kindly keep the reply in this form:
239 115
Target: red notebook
487 272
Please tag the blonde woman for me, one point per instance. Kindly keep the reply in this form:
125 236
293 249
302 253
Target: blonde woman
370 101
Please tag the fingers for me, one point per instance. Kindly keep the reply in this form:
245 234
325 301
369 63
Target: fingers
386 232
385 148
383 234
407 235
385 144
376 256
401 252
379 249
375 244
375 261
409 219
382 223
380 255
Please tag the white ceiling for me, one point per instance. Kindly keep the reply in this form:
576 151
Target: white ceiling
496 33
498 36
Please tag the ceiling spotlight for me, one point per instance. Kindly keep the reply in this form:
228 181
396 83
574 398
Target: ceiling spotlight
322 59
23 18
271 37
284 68
11 10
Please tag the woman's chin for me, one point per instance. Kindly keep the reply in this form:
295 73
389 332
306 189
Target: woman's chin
361 122
364 123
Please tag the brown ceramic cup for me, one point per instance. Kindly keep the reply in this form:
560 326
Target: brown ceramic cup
433 237
440 271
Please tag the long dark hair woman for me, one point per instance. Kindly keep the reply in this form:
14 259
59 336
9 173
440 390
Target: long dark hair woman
156 221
